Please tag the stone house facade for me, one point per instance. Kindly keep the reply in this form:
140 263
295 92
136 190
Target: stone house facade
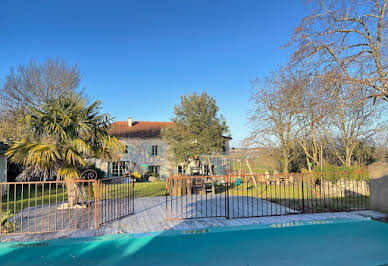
144 150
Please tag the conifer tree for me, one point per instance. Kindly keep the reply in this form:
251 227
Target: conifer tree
198 128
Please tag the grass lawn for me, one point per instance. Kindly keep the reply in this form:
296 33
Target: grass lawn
150 189
255 164
142 189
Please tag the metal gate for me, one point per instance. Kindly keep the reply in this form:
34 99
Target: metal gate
115 198
244 196
52 206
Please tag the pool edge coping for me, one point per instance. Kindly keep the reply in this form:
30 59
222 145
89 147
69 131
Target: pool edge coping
182 232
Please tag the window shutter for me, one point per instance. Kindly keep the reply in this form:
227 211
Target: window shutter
131 149
150 150
160 149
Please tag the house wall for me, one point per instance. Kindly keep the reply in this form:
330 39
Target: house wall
139 152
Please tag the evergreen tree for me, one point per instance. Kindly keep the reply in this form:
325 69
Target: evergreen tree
198 128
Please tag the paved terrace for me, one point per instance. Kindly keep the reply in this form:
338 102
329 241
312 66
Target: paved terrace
150 216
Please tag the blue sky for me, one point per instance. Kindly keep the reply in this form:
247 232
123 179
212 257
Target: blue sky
140 56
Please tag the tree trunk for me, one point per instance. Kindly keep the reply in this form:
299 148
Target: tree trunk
75 192
285 163
348 157
72 190
308 164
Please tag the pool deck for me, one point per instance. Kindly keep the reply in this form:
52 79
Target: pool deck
150 216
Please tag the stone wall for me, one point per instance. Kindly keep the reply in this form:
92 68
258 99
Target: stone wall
139 152
378 175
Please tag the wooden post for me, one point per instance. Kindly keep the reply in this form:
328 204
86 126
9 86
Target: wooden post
250 170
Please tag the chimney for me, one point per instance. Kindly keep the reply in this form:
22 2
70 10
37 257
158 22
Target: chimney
130 121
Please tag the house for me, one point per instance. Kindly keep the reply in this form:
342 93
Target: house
3 162
144 150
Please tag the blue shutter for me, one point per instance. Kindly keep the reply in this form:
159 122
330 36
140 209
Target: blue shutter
160 149
149 150
131 149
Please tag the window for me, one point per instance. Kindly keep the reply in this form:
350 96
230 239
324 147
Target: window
121 168
180 170
115 169
126 149
154 150
154 170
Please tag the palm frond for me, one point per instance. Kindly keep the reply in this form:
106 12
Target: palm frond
71 156
34 172
61 135
68 172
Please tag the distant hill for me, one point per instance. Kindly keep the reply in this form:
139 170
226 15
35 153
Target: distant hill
252 151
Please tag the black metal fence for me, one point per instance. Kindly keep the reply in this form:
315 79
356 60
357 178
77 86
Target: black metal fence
195 197
242 196
116 198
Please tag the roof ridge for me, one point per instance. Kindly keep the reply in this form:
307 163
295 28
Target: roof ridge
124 121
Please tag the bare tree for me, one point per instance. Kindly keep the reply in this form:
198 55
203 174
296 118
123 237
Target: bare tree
33 85
351 121
311 115
272 119
350 36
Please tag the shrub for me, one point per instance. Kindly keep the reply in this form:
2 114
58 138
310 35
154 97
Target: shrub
6 225
335 173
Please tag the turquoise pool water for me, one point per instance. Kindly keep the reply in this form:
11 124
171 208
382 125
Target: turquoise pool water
338 242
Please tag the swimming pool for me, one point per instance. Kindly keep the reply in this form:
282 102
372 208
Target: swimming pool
330 242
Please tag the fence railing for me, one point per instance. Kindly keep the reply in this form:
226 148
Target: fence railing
195 197
239 196
116 198
52 206
49 206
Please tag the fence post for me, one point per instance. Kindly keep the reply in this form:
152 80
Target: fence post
133 195
227 198
96 197
302 194
166 196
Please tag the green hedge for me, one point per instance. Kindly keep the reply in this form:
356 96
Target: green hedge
335 173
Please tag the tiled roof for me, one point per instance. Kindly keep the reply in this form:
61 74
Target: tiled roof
139 129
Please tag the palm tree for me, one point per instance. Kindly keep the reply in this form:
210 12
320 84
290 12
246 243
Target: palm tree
60 137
